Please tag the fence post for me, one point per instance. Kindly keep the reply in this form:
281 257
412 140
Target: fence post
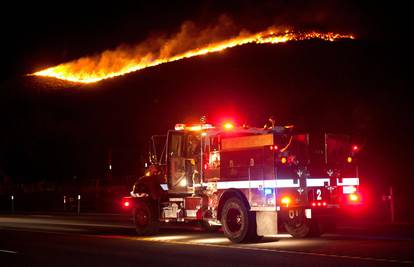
79 201
12 203
392 205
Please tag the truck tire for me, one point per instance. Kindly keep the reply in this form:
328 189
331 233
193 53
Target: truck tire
145 218
239 224
302 228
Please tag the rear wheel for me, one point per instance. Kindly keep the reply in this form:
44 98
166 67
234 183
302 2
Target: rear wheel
301 227
145 218
239 224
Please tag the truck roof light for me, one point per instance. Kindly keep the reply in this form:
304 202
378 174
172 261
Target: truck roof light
192 127
179 126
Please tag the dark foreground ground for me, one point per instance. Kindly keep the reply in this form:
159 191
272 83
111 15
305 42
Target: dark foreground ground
109 240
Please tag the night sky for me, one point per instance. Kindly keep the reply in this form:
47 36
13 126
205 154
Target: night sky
56 130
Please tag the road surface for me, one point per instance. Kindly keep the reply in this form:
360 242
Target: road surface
45 240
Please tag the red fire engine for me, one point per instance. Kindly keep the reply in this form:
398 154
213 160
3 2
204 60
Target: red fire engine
249 181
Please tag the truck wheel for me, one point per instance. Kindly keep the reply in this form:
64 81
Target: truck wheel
145 218
239 224
302 228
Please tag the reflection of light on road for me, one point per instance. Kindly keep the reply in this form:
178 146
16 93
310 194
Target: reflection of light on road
167 238
280 236
285 243
211 240
8 251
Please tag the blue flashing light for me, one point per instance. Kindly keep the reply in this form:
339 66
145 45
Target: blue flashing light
268 191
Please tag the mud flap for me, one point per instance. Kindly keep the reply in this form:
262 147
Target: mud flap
266 222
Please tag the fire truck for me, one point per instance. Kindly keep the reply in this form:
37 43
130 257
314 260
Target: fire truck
248 181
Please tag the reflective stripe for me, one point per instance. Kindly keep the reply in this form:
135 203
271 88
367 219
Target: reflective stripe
317 182
308 213
348 181
263 208
283 183
164 186
286 183
280 183
349 189
313 182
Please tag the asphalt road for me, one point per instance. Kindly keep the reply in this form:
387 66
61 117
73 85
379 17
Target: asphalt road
101 241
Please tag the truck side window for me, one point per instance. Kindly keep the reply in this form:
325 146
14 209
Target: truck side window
175 145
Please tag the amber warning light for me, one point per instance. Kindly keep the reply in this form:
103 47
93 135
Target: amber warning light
285 201
228 126
353 197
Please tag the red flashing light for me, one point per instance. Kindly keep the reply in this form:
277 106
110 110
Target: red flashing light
205 166
126 202
354 147
273 148
319 204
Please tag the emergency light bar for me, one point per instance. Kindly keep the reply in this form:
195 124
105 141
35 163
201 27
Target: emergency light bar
192 127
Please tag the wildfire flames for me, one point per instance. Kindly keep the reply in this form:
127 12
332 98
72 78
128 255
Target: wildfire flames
153 52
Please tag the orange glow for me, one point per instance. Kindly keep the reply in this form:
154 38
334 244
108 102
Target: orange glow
194 128
353 197
349 159
179 127
228 126
285 201
185 44
283 160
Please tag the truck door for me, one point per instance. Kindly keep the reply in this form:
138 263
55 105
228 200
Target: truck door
183 161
